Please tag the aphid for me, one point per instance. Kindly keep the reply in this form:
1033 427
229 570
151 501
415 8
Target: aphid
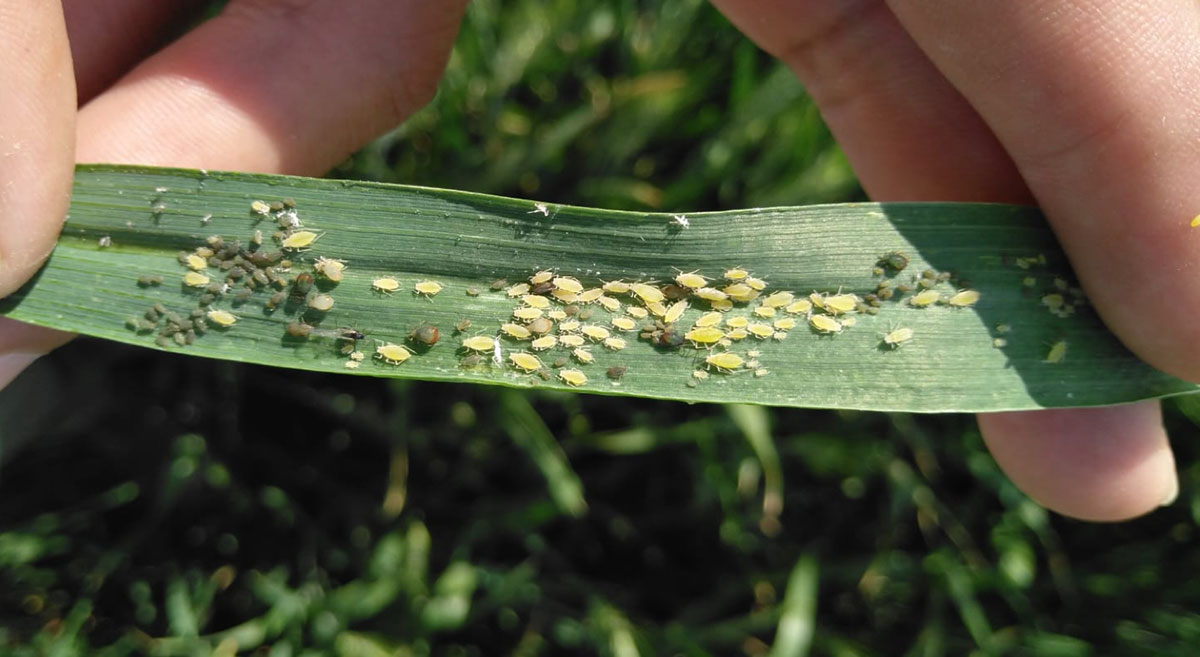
583 355
321 303
737 322
757 284
301 239
427 288
999 343
560 362
222 318
680 220
658 308
963 298
825 324
798 307
740 292
540 325
195 279
515 331
518 290
667 339
924 298
479 343
595 332
647 293
393 354
535 301
709 319
691 280
778 299
563 296
243 295
1003 328
1058 351
610 304
724 361
926 283
569 326
785 324
877 271
737 334
462 325
897 337
275 300
330 268
760 330
674 312
904 288
236 273
841 303
567 284
885 294
181 339
765 312
351 364
736 274
385 284
1053 301
427 334
543 343
704 335
299 329
848 322
472 291
195 262
260 278
590 296
711 294
556 314
149 280
526 313
623 323
817 300
525 361
572 340
498 284
152 314
615 343
894 260
572 377
616 372
541 289
357 356
615 287
301 285
637 312
259 207
541 277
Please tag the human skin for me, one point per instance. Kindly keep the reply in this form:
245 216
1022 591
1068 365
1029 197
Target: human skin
1088 110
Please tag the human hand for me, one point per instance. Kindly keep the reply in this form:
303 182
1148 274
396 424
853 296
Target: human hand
277 86
1089 112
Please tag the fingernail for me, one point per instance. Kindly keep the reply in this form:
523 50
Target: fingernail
1172 492
13 364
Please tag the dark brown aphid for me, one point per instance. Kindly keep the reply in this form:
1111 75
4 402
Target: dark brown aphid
299 329
895 261
225 265
159 308
571 310
243 295
168 330
542 288
289 203
236 273
163 341
674 292
871 299
174 319
149 280
199 326
181 339
426 334
189 337
471 360
301 285
275 300
668 339
276 206
260 278
206 299
885 293
543 374
498 284
215 289
264 258
561 361
215 242
151 314
616 372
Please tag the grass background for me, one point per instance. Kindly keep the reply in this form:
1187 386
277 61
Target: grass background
157 504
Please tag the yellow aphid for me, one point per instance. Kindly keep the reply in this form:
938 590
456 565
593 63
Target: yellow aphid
322 303
427 288
595 332
785 324
778 299
1196 221
710 294
556 314
736 274
541 277
518 290
567 284
569 326
738 334
590 296
704 335
615 343
756 283
205 252
386 284
963 298
674 312
764 311
392 353
740 292
825 324
610 304
897 337
709 319
924 298
848 322
330 268
583 355
738 322
841 303
1029 281
637 312
817 299
221 317
647 293
691 280
195 279
798 307
196 262
351 364
1053 301
724 361
780 335
616 287
525 361
563 296
515 331
527 314
572 377
999 343
624 323
571 340
535 301
1058 351
479 343
657 308
543 343
760 330
301 239
260 207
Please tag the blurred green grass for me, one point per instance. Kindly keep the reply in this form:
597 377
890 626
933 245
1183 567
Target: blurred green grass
156 504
